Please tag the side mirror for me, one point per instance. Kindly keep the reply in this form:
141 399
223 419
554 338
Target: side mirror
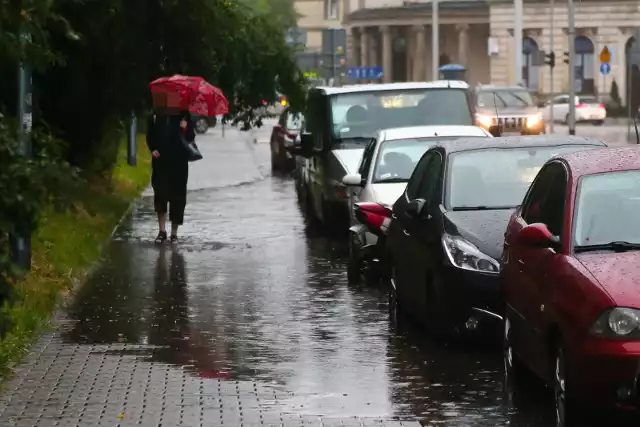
415 208
353 180
495 130
537 235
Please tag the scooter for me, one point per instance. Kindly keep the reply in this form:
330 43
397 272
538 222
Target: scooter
368 240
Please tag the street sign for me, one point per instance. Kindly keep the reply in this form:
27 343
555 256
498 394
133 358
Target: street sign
605 68
605 55
365 72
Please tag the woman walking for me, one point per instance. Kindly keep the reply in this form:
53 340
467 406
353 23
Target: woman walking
166 134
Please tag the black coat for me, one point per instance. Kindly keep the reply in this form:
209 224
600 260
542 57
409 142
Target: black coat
170 170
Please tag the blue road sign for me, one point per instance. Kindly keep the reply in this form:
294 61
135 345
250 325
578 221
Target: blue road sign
365 72
605 68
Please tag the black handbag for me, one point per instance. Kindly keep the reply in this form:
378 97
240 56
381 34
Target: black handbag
193 152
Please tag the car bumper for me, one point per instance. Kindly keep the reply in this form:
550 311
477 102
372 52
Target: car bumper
592 115
606 373
473 297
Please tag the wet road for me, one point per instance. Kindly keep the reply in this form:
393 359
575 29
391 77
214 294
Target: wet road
248 321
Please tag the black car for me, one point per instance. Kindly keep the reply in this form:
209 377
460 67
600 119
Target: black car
446 237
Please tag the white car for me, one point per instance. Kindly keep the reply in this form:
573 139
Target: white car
588 109
383 172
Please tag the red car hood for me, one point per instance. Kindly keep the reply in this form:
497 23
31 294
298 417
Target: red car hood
618 274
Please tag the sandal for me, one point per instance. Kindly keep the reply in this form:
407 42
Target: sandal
162 236
174 238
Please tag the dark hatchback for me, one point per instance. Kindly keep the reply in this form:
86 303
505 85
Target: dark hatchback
446 237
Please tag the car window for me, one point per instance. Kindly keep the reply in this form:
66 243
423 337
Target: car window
502 98
362 114
496 178
367 159
546 200
416 177
398 158
431 178
561 100
588 100
607 209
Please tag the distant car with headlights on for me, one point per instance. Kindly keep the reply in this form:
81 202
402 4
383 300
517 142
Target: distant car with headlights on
385 167
571 278
512 108
448 232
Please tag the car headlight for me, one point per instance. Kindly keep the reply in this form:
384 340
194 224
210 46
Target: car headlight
465 255
484 121
533 121
618 322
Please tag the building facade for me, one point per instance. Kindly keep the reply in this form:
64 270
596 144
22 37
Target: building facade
478 34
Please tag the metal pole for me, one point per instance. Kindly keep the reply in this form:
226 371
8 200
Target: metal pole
517 39
435 39
552 7
20 244
572 67
629 87
333 55
132 151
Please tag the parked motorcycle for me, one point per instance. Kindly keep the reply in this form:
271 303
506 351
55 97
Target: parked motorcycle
367 244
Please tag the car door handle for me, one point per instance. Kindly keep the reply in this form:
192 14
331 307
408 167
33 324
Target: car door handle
406 233
393 216
521 262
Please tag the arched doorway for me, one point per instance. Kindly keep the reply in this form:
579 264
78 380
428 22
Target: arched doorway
632 89
584 66
400 71
530 74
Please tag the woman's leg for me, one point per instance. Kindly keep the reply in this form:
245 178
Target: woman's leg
160 201
178 201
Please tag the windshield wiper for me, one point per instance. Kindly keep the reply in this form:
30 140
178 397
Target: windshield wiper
390 180
481 208
617 246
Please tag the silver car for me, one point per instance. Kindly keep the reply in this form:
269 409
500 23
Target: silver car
383 172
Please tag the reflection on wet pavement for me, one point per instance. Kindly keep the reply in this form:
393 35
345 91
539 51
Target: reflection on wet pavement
249 320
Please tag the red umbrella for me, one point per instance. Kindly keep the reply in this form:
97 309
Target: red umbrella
196 94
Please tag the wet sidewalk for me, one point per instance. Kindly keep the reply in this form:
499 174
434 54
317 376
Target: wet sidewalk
243 323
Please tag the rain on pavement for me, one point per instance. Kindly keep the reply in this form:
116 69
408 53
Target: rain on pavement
248 321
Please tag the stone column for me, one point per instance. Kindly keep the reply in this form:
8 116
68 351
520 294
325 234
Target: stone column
352 47
419 55
364 47
387 53
463 44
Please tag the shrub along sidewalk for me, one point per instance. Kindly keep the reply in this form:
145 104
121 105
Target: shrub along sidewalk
65 246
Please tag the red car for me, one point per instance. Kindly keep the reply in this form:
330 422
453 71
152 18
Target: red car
570 278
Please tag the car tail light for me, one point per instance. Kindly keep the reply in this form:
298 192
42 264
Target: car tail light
603 106
374 215
581 105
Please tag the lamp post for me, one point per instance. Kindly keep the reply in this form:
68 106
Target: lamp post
552 7
435 39
517 39
572 67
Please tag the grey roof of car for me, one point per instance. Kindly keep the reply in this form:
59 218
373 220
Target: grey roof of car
437 84
506 142
480 88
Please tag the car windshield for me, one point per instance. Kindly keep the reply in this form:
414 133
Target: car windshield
496 178
360 115
294 121
398 158
607 209
589 100
504 98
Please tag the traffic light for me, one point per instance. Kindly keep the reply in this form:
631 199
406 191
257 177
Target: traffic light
550 59
566 58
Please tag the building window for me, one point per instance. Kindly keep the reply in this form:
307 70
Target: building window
529 70
584 65
331 7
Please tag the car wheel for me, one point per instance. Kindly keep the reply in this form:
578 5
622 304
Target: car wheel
202 125
354 273
394 306
598 122
565 415
512 367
